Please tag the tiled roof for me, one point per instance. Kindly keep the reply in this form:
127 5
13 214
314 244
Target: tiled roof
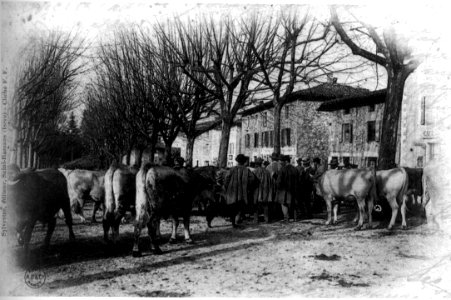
322 92
375 97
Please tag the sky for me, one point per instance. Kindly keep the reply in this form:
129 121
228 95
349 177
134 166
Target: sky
425 25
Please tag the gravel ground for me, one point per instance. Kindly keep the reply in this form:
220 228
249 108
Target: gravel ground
303 258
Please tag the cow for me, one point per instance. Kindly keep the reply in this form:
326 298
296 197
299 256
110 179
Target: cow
359 183
37 196
85 185
436 194
163 192
393 185
119 197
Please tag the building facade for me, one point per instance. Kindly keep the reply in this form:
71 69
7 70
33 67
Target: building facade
355 128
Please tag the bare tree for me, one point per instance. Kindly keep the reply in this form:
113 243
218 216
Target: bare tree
45 90
217 51
388 49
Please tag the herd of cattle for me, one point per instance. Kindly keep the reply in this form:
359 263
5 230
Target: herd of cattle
153 192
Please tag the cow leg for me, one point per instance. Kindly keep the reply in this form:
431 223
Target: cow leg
328 199
94 211
27 235
186 220
403 212
286 216
370 212
175 225
266 212
140 221
106 228
152 230
335 210
158 232
361 204
50 228
394 211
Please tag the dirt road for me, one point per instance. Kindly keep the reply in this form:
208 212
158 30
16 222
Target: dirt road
304 258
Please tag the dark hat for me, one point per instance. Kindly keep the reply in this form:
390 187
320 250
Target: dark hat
317 160
275 156
241 158
333 161
285 157
259 161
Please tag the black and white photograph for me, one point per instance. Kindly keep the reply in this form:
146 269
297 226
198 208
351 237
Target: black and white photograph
225 149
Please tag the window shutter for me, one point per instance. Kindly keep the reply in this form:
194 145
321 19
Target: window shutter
350 133
342 133
288 136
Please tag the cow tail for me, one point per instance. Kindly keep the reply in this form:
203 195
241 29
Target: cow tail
373 191
405 187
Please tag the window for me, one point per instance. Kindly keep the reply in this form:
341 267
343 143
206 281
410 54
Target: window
248 122
266 139
255 140
371 131
420 162
371 162
231 148
265 119
206 163
247 140
372 107
423 111
347 111
346 134
287 111
286 137
271 139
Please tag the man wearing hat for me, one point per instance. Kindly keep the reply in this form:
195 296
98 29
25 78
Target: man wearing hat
178 163
262 193
287 188
305 186
239 185
333 163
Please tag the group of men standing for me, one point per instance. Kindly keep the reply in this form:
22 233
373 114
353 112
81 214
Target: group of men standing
277 187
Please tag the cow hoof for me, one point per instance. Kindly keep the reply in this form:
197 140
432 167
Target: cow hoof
172 241
327 223
157 251
357 228
404 227
136 253
189 241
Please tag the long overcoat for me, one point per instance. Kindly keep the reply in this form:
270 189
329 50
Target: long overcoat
239 184
287 185
262 193
273 168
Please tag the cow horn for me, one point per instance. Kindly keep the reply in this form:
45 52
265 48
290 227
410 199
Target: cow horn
10 182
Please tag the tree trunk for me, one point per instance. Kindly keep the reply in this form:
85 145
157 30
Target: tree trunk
390 121
139 158
30 156
168 153
18 159
128 157
35 160
224 143
190 151
277 119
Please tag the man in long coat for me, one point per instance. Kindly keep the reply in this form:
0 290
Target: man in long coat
305 186
274 168
287 188
239 185
262 194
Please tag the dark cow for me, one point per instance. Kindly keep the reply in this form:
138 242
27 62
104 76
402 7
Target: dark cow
163 192
393 185
119 197
415 188
37 196
85 185
358 183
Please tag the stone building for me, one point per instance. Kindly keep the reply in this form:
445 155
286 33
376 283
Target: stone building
304 129
354 130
